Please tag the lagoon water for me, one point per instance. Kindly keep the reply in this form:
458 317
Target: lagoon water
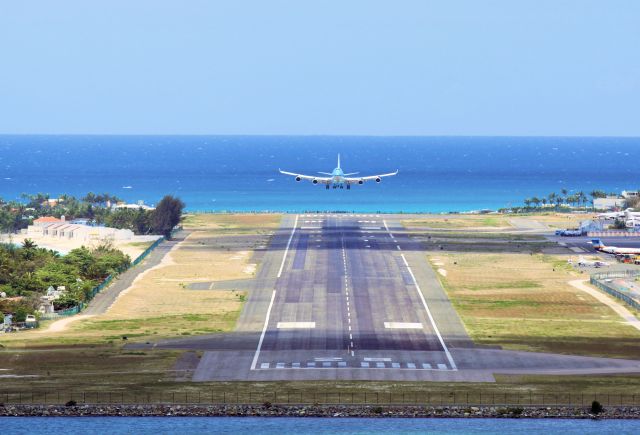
239 173
309 425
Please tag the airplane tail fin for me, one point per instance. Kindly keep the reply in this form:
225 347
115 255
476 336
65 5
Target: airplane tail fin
597 243
339 161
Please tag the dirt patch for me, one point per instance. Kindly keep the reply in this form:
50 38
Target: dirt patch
62 324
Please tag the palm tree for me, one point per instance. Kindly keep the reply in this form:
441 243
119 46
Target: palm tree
527 202
536 201
29 249
29 244
564 194
552 198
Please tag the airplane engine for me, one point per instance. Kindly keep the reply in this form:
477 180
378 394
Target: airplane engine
298 178
360 181
314 181
378 180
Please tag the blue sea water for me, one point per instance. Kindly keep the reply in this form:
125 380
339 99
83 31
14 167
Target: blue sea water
240 173
309 425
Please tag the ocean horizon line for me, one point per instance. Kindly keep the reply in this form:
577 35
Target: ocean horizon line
320 135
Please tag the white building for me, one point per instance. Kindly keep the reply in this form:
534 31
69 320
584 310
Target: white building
138 205
608 203
58 228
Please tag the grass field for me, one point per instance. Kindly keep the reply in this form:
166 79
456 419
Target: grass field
252 223
561 220
483 222
459 222
523 301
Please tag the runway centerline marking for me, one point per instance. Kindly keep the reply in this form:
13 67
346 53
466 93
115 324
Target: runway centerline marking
264 331
284 256
426 307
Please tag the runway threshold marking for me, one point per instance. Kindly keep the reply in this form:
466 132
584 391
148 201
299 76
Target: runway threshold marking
264 331
426 307
284 257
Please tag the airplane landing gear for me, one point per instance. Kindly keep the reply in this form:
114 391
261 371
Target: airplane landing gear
348 186
327 187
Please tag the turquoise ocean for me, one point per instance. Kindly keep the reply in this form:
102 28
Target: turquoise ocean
240 173
310 425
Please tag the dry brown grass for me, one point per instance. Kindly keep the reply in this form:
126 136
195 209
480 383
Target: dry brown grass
233 223
523 301
561 220
479 222
468 222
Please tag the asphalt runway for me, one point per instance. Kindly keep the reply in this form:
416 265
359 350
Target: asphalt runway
347 298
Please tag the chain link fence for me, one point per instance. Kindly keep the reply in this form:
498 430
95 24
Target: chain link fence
600 280
305 397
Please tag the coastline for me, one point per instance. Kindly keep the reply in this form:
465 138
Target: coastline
328 411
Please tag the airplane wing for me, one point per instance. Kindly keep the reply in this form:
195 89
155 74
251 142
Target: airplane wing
369 177
322 180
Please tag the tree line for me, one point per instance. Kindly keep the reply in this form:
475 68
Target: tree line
96 208
577 199
27 271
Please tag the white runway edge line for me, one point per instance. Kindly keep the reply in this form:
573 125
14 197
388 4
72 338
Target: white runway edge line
426 307
387 228
264 331
284 257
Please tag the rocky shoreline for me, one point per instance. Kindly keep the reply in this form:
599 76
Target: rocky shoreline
314 411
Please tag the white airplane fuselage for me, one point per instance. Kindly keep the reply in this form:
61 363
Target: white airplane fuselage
337 178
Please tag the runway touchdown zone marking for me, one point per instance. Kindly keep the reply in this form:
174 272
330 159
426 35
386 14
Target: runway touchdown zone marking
296 325
402 325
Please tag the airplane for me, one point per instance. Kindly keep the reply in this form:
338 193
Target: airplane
597 243
628 214
589 263
337 178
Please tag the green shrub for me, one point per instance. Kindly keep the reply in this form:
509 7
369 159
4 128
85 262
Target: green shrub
596 407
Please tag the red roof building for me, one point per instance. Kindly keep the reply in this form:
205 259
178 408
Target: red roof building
46 220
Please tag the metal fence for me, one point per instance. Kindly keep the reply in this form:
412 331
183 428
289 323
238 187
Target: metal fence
597 279
627 273
306 397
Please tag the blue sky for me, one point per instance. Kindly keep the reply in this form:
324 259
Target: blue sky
525 67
